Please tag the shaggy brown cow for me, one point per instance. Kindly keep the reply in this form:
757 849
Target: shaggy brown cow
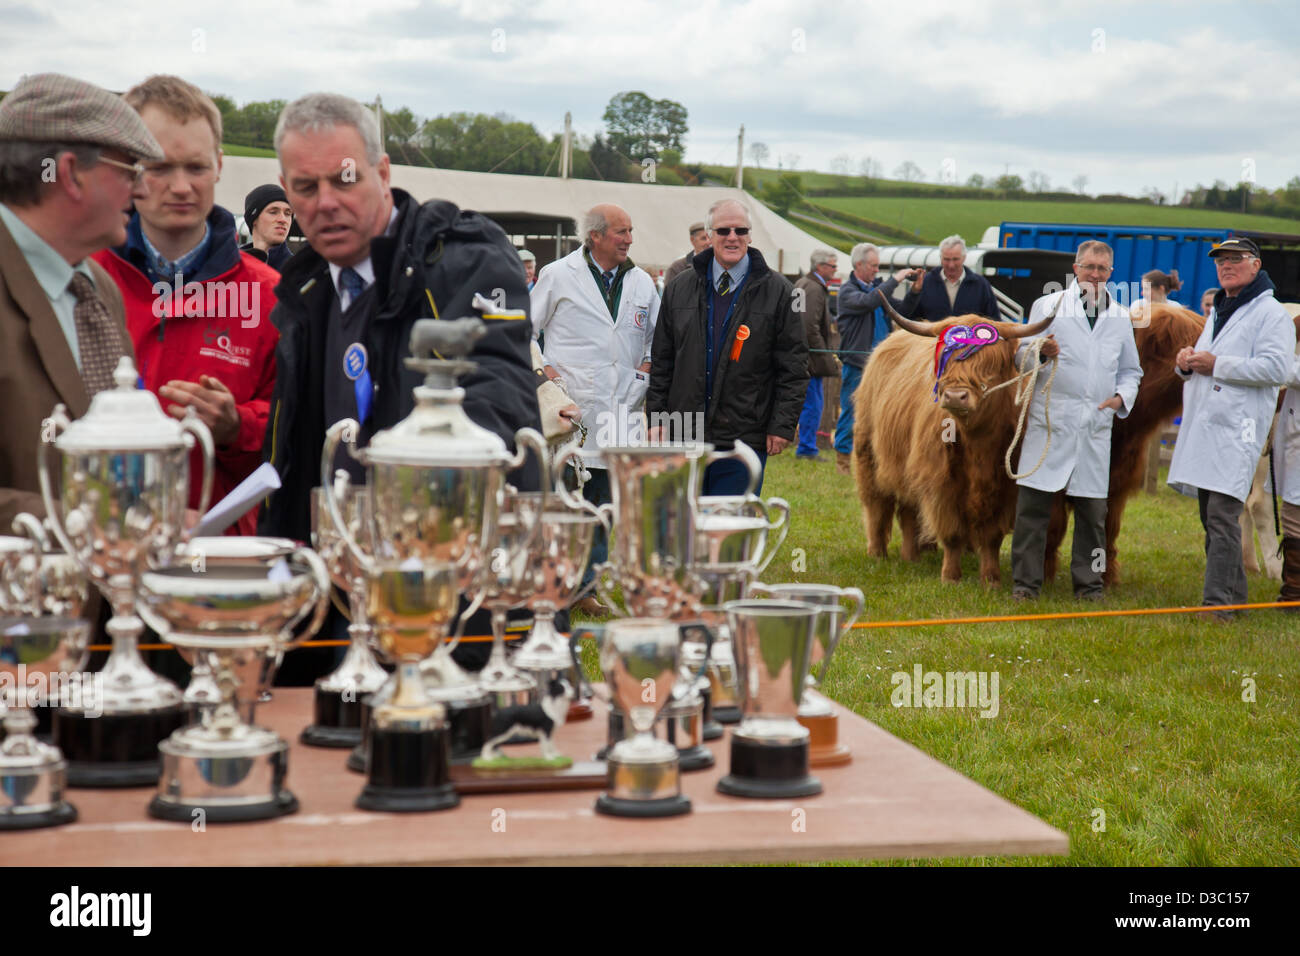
938 461
1159 400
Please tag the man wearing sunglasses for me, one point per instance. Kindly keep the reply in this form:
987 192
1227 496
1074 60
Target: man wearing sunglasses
729 358
1231 376
68 173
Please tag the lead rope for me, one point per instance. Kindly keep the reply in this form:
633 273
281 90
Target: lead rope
1025 382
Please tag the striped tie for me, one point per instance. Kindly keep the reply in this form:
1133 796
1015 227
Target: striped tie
97 336
724 283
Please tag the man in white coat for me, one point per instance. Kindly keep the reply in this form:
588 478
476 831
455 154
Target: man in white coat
1232 375
1096 380
1286 472
596 311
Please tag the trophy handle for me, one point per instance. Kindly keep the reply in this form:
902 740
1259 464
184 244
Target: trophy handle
324 588
30 526
745 454
57 422
469 612
585 687
192 424
854 594
571 501
708 646
344 430
781 526
526 439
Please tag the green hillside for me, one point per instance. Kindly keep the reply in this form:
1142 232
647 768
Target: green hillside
230 149
936 218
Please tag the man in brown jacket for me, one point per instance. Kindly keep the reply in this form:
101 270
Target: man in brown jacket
699 242
68 171
811 298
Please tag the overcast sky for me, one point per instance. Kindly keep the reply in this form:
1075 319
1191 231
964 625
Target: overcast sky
1128 94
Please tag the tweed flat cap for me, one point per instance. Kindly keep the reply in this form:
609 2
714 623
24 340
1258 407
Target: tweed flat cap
52 108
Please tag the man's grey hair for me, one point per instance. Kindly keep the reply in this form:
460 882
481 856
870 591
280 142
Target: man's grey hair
952 242
821 257
593 220
713 210
861 250
1093 245
23 165
317 111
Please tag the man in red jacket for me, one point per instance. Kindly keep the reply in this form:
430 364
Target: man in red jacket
198 309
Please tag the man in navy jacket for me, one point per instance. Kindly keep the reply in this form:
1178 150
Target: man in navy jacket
951 289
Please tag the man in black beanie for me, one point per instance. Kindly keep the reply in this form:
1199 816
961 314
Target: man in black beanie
268 217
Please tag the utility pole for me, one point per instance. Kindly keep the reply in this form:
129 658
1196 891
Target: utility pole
566 148
740 158
379 118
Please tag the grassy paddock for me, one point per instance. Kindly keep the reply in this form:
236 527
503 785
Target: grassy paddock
940 216
1142 718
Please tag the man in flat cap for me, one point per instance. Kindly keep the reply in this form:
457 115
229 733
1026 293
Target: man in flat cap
69 155
1232 376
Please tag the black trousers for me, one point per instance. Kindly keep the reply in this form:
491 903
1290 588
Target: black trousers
1029 542
1225 569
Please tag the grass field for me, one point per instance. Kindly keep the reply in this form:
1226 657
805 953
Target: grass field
1141 718
935 218
231 150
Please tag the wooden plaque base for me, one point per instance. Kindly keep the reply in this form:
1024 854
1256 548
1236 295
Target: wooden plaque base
825 749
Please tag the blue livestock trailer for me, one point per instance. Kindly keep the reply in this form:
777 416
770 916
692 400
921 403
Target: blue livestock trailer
1139 249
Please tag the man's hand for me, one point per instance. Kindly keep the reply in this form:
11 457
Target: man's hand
1114 402
644 367
776 445
213 402
1202 362
572 412
1181 359
655 435
1051 348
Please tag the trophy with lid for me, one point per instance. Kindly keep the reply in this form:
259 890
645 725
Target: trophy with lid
435 483
120 509
238 599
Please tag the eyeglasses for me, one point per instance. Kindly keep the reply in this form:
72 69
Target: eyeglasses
1092 268
1220 260
725 231
135 169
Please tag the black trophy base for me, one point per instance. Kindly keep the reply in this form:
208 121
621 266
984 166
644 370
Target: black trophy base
115 750
470 727
623 807
410 772
336 738
769 771
727 715
712 730
53 817
337 722
695 758
282 804
357 759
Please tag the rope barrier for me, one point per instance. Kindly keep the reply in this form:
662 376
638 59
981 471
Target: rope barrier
1071 615
467 639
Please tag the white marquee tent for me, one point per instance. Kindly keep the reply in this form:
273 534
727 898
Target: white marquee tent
535 206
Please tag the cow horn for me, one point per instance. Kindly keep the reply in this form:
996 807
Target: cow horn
1025 331
916 328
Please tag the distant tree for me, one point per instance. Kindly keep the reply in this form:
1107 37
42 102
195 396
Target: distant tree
606 162
758 152
840 164
1038 181
976 181
1155 195
1009 183
792 160
403 137
909 172
783 193
1080 183
483 143
869 167
639 126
